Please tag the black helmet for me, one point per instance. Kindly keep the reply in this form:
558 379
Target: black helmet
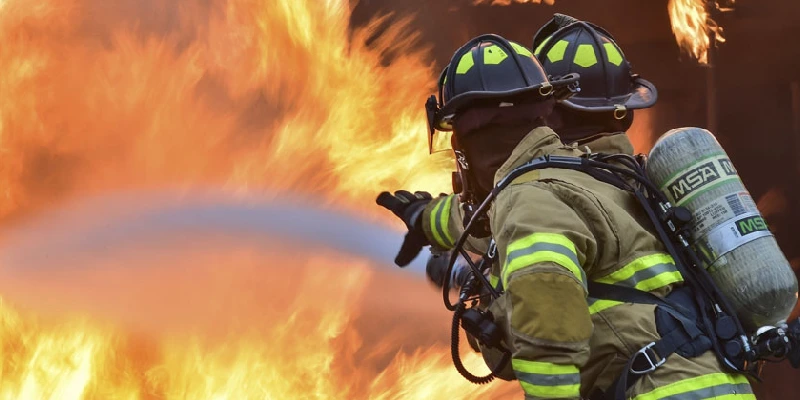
566 45
487 71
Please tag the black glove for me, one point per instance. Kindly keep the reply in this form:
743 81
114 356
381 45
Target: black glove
408 207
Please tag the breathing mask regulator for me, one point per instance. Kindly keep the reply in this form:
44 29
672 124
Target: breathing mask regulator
487 73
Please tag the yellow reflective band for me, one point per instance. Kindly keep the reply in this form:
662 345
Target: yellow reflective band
493 55
659 281
585 56
494 280
544 368
556 52
540 257
542 247
552 392
542 379
736 385
613 54
646 273
541 237
521 50
465 64
600 305
541 45
434 229
444 221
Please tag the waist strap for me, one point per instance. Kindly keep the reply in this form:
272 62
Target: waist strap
650 357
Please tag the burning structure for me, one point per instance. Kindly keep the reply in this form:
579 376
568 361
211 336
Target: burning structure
269 97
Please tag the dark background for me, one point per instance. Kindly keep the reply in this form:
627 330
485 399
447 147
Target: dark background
749 97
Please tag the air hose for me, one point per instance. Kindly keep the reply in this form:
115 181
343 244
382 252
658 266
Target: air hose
479 380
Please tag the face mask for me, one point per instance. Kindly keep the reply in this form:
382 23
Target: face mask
487 136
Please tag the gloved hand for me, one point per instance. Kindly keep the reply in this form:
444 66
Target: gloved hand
408 207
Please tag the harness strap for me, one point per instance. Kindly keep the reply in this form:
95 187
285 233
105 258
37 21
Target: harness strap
655 354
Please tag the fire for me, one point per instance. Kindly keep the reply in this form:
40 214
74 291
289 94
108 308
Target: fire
693 26
509 2
316 351
257 96
252 94
641 133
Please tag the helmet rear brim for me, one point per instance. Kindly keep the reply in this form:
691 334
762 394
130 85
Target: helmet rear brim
644 95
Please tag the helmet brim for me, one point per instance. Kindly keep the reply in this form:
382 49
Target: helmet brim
644 95
541 92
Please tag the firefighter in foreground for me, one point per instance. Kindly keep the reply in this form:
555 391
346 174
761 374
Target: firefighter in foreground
558 229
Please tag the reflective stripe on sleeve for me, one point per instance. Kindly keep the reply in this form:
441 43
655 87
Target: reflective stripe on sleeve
440 222
547 380
542 247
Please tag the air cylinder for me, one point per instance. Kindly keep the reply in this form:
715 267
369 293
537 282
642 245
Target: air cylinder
729 234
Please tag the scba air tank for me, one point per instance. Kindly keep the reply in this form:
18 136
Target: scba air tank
728 232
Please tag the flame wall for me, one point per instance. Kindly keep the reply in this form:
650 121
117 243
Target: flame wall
293 96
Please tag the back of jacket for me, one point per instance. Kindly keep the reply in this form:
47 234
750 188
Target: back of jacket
557 229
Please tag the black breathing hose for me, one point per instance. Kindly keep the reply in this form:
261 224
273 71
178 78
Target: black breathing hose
478 380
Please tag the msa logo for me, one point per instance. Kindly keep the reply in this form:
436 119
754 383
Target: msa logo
693 179
751 224
727 167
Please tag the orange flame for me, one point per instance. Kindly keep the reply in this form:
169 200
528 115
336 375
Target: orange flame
509 2
693 26
253 95
315 351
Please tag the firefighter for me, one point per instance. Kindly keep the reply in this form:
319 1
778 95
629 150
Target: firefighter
558 229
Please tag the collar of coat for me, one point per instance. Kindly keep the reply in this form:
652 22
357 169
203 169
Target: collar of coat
543 141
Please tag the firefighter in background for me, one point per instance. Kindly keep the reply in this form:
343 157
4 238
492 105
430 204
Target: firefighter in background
557 229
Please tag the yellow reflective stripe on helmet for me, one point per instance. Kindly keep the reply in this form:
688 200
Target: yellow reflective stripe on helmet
613 54
440 222
521 49
465 63
556 52
542 247
595 305
646 273
541 45
710 386
493 55
543 379
585 56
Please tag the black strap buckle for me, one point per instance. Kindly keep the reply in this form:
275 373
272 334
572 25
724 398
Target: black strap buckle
653 361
